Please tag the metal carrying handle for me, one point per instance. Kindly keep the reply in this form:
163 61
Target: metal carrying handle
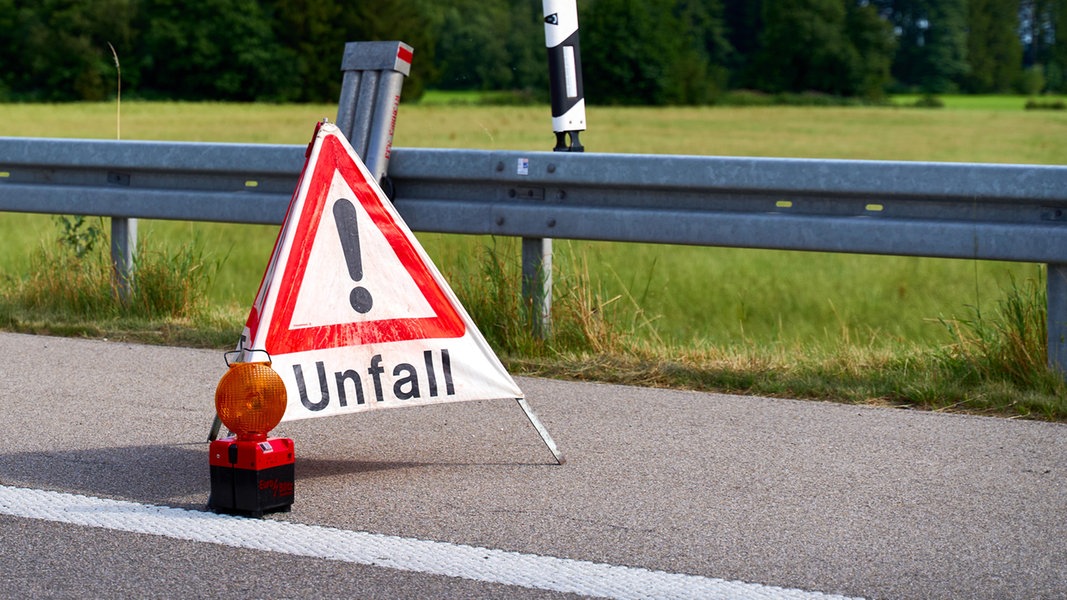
239 351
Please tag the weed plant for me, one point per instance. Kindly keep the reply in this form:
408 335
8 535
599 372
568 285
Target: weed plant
1008 345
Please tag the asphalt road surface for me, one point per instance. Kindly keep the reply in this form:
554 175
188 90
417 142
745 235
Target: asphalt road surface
104 482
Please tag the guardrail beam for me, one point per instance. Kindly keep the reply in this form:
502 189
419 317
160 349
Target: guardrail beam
968 211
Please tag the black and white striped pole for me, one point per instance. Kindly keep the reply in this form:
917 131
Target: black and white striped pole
568 118
565 73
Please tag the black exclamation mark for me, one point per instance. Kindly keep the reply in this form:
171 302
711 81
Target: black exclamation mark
344 214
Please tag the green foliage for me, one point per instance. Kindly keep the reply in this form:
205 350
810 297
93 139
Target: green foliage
57 49
1047 105
416 22
1032 81
314 32
872 37
825 46
1044 29
670 64
308 29
214 48
653 52
78 234
470 54
929 101
994 50
932 43
808 98
492 46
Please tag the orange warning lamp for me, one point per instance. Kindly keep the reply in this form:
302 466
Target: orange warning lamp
250 400
251 473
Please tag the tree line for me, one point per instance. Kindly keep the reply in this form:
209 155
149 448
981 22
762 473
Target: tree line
656 52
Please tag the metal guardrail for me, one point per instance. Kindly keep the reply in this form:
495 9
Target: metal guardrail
228 183
1003 212
954 210
950 210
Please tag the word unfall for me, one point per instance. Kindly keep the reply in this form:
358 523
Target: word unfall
409 382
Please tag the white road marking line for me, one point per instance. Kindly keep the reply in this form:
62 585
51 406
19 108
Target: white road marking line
405 554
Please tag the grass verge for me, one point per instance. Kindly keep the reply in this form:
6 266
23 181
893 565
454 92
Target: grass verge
832 327
994 366
68 291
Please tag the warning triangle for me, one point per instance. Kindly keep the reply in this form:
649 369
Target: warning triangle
337 187
352 311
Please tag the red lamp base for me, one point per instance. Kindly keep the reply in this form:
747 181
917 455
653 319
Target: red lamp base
251 478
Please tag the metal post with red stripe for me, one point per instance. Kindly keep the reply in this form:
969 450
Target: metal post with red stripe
366 112
565 72
370 96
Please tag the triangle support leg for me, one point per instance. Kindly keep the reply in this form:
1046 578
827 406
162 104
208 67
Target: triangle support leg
540 427
215 426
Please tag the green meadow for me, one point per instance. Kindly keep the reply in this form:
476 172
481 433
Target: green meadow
842 327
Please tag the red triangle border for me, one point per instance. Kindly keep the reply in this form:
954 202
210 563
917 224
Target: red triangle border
334 157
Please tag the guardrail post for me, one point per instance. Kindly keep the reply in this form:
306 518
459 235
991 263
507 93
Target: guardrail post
123 255
370 96
1056 317
537 283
